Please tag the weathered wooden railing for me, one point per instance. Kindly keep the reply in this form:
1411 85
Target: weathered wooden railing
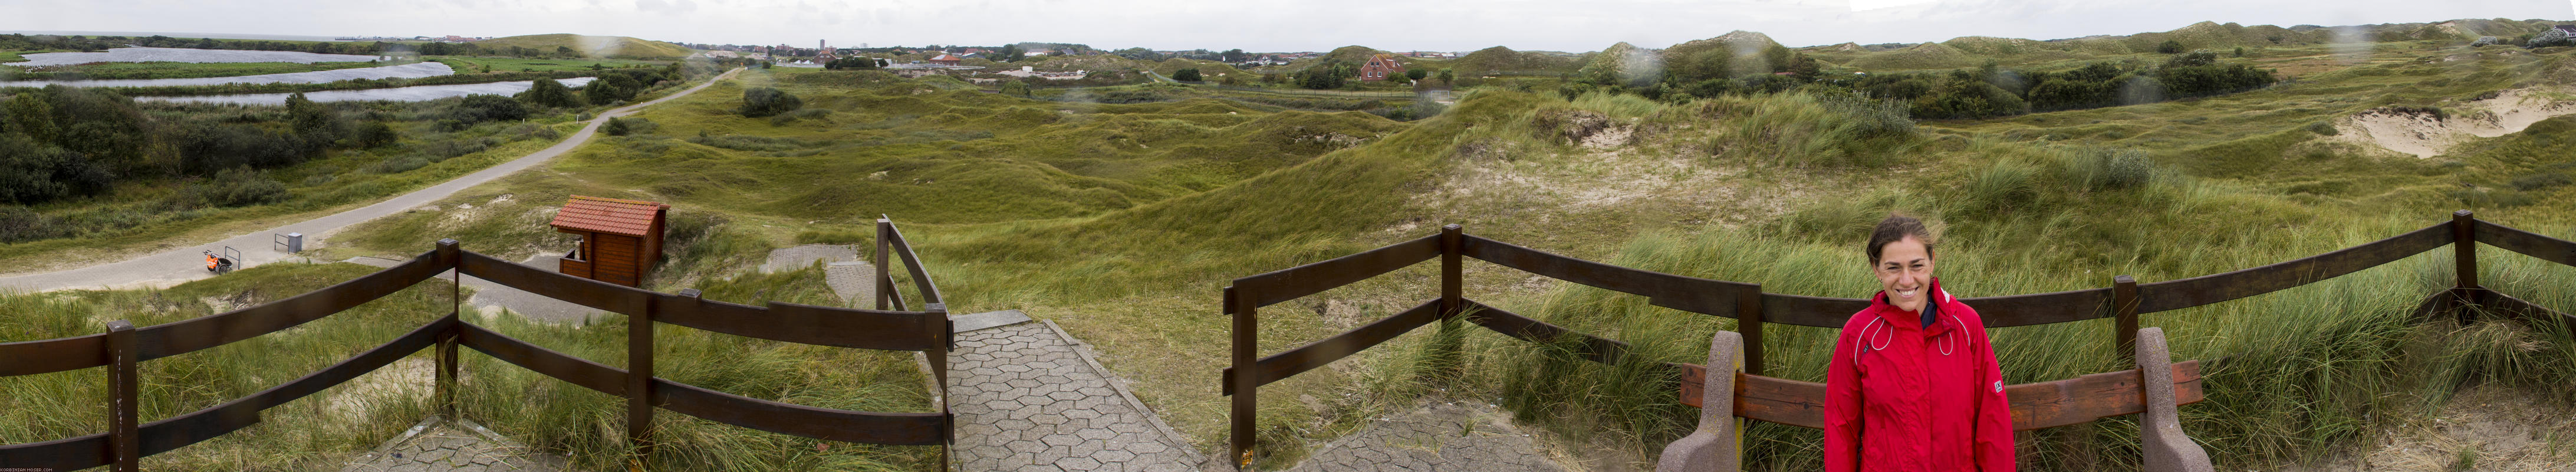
2124 300
124 346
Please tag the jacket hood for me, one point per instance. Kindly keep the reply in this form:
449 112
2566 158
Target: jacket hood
1941 302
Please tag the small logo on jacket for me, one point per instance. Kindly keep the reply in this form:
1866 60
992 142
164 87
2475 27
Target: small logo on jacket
1999 386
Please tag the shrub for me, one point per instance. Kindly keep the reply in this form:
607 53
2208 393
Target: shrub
1187 75
628 126
233 187
2484 41
2550 37
478 109
2169 47
550 94
205 148
766 101
2541 181
34 173
373 134
1015 88
17 223
2324 128
611 88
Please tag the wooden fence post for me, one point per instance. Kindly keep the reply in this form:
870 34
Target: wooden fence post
2464 253
1453 250
2464 247
445 354
885 275
124 439
639 374
1453 301
1748 322
1247 341
942 328
2124 305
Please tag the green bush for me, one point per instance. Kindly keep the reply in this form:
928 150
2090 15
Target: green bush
550 94
1187 75
2541 181
2324 128
2169 47
234 187
767 101
17 223
478 109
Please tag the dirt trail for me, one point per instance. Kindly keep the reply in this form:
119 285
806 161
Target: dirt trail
2425 134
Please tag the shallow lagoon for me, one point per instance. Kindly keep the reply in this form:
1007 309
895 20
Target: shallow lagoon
400 94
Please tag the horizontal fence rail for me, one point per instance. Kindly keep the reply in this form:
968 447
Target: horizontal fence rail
123 347
1752 309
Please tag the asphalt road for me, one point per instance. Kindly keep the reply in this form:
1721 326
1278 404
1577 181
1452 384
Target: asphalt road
189 263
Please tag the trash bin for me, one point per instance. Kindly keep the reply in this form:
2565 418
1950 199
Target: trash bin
294 242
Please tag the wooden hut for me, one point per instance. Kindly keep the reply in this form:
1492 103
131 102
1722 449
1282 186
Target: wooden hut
620 239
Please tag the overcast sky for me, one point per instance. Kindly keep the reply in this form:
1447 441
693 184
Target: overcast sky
1297 25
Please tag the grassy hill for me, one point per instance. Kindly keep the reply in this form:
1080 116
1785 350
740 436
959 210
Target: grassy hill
594 46
1503 60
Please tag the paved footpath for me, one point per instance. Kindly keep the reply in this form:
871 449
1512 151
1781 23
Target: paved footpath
189 263
1459 437
1027 398
438 445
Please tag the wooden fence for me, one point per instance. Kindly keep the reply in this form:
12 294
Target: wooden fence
1752 308
124 346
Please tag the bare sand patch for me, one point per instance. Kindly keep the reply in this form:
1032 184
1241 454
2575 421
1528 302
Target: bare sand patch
2425 133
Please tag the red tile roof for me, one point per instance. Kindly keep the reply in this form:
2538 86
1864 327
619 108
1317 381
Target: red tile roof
608 215
945 57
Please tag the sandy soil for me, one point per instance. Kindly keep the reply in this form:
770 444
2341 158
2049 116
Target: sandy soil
2425 135
2485 428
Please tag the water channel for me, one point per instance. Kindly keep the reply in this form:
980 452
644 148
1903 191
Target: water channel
400 94
404 71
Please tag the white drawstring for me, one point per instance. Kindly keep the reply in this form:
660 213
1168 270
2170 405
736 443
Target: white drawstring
1869 343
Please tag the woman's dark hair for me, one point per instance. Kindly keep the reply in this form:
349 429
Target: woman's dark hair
1896 227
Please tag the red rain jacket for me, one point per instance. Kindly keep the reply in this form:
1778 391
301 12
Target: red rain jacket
1903 397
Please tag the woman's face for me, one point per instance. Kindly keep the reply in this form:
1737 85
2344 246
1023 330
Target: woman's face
1905 271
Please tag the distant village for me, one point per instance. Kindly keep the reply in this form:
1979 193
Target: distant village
954 56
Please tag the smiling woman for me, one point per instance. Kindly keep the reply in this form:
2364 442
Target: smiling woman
1913 384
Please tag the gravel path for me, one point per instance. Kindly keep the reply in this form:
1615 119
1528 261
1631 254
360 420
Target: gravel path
187 263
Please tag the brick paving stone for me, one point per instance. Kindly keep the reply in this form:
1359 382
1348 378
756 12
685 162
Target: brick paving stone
1041 406
444 446
1437 437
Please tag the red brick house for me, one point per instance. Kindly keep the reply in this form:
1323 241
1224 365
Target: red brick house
1381 67
947 60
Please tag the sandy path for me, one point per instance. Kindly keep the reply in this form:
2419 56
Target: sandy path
180 265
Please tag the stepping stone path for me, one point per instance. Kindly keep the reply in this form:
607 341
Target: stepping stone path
458 446
1027 398
1438 437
